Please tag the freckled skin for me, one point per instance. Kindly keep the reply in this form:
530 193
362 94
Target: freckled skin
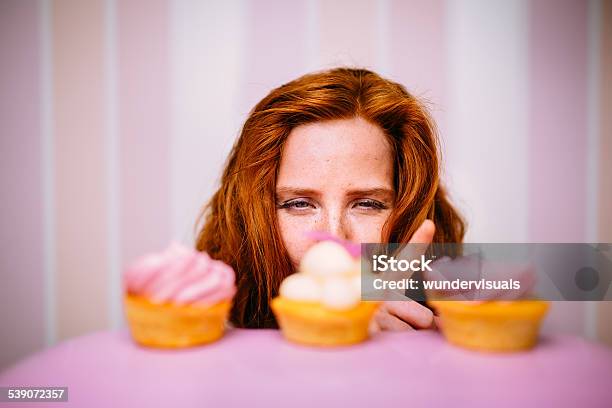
334 159
336 176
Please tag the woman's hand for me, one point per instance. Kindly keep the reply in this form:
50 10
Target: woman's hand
407 314
402 315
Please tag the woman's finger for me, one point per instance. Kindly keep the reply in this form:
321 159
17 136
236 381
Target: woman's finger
424 234
411 312
437 323
419 241
387 321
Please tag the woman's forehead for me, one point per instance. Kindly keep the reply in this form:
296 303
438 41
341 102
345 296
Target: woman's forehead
348 151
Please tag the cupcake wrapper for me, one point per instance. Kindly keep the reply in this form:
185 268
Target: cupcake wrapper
174 326
492 326
313 324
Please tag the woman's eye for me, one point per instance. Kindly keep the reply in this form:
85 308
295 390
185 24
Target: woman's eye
298 204
370 204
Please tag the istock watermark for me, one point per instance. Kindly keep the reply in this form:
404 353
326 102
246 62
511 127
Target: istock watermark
384 263
485 271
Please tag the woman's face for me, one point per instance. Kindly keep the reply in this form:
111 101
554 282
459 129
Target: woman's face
334 176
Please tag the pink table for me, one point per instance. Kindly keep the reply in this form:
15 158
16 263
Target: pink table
258 368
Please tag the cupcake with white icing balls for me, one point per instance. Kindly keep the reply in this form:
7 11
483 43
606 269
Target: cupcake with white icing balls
321 303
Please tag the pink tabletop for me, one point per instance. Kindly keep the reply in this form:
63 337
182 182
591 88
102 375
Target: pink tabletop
258 368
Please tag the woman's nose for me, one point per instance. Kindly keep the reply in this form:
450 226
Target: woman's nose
336 224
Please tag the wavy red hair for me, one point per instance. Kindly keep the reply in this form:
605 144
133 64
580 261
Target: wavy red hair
238 225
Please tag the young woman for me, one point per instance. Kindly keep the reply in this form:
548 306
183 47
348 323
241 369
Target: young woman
343 151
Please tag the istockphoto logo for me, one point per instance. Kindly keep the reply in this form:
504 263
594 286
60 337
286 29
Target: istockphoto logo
575 271
384 263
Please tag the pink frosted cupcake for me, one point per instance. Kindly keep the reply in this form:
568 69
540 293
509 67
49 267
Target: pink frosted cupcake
178 298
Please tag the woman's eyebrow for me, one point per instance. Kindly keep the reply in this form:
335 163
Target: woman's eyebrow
297 191
374 191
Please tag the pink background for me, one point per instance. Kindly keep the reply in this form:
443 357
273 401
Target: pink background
116 118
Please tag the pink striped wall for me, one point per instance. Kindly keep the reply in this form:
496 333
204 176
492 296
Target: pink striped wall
80 173
604 322
144 130
348 33
121 151
605 128
21 235
558 133
418 30
558 120
275 47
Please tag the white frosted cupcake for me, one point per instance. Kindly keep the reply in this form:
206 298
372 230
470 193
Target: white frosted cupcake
321 303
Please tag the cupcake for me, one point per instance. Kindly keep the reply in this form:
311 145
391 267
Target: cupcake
321 304
177 298
502 326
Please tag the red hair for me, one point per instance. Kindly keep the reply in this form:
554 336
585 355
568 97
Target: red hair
239 225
